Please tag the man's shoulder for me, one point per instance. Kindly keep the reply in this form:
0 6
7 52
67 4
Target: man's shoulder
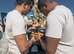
12 13
62 9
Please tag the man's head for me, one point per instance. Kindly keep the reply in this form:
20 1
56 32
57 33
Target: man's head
24 5
45 6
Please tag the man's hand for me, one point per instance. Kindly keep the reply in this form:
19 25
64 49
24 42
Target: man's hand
37 36
33 39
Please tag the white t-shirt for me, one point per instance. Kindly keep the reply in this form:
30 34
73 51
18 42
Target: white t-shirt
60 24
14 26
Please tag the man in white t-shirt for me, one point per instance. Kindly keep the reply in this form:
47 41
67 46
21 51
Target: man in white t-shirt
59 28
15 28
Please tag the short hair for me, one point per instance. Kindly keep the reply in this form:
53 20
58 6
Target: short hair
29 2
41 3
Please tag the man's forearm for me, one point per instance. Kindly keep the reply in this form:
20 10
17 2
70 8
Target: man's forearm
52 44
27 47
22 43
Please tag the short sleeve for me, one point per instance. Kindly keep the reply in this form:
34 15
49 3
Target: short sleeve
18 26
54 26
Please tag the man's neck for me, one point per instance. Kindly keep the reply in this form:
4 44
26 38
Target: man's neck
18 8
53 5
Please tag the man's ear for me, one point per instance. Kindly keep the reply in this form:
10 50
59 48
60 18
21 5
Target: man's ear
45 5
24 4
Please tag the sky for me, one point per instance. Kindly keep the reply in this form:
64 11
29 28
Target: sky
8 5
